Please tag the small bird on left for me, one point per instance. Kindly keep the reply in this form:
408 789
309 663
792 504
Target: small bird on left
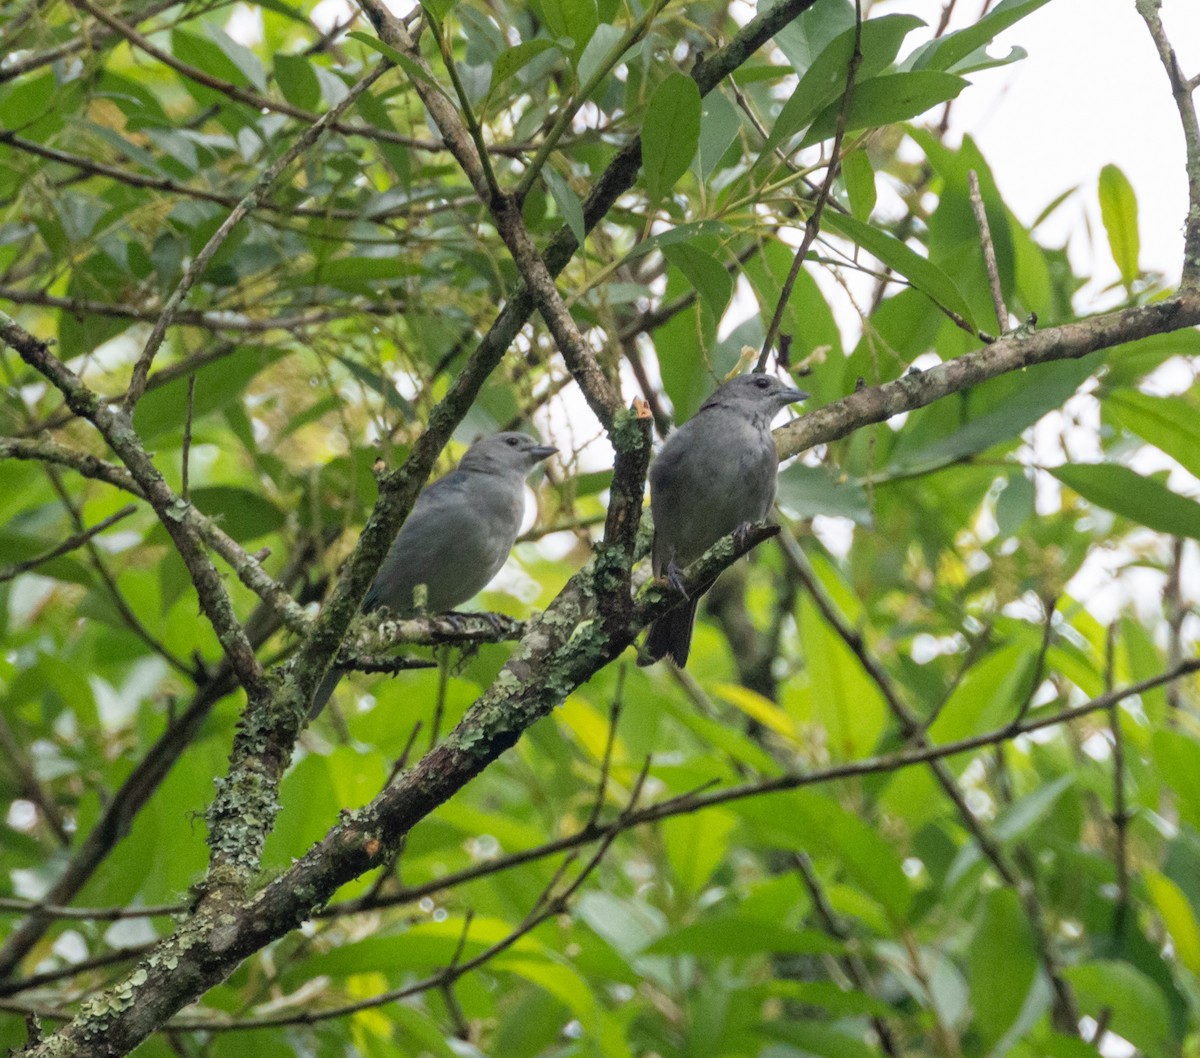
457 536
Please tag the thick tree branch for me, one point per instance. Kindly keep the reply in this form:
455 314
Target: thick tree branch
916 389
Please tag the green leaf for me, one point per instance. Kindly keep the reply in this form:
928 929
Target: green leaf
681 233
696 846
207 56
825 79
1177 916
405 62
919 271
948 51
1171 424
377 383
860 184
886 99
568 203
576 19
670 134
818 822
243 514
1024 814
297 81
598 52
1015 505
438 9
1129 362
736 936
707 275
1003 965
217 384
814 1040
808 491
1118 210
1136 1005
1142 500
511 60
1177 760
719 124
1049 387
238 54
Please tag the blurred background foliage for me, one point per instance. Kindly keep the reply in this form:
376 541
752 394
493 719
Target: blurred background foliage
1008 551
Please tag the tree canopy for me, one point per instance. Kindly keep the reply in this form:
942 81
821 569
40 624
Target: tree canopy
267 267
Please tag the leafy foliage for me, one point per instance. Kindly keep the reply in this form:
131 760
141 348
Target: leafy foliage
1024 895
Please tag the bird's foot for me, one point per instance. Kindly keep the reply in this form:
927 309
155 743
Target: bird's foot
742 534
675 579
496 621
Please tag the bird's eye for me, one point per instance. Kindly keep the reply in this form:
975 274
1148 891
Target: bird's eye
762 382
512 442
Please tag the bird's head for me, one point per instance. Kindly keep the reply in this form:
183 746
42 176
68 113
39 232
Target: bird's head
506 453
758 396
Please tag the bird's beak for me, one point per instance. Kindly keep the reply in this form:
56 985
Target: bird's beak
791 395
543 451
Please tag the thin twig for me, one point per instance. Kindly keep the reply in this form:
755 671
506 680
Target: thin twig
1039 668
186 448
614 714
70 544
989 252
1120 813
852 961
30 786
1176 612
812 226
1181 90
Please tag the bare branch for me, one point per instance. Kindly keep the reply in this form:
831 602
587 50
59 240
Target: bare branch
1181 89
70 544
989 252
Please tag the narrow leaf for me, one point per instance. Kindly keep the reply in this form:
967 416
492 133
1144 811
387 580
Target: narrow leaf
946 52
920 272
1118 210
1171 424
1142 500
568 203
712 281
825 79
511 60
860 184
670 134
886 99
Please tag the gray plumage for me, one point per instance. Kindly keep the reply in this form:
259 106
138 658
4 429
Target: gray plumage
714 474
457 536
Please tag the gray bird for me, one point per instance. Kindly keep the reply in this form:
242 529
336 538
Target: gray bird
715 474
457 535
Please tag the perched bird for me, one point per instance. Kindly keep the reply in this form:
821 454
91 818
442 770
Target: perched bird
457 535
715 474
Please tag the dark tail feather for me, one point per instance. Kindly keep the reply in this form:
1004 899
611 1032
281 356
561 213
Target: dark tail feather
671 635
324 691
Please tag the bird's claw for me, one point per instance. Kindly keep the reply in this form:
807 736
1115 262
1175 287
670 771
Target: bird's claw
675 579
742 534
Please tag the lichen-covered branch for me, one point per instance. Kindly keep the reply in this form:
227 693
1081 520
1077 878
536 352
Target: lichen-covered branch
916 389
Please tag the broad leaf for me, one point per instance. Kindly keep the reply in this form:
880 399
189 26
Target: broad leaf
670 133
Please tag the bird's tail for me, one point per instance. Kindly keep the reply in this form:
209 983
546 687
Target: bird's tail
324 691
671 635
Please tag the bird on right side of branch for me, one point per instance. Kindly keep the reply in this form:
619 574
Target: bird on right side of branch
714 476
457 536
